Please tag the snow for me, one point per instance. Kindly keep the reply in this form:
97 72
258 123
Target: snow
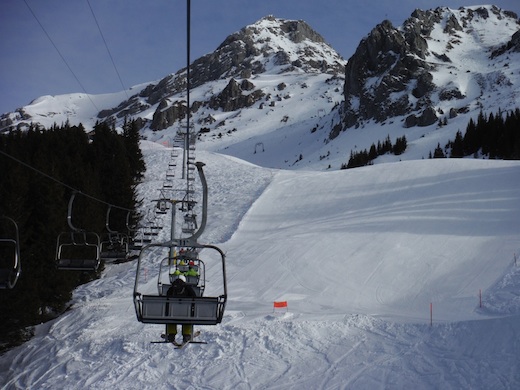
359 255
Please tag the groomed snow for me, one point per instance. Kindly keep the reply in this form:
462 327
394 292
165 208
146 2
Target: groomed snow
359 255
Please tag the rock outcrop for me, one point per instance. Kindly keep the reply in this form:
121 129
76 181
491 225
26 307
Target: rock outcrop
393 71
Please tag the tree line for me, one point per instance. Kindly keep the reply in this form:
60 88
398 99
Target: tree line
496 136
40 168
365 157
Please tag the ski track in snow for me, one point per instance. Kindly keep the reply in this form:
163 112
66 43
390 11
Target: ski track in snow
357 320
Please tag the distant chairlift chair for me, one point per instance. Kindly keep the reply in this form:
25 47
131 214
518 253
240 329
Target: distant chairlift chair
114 245
77 250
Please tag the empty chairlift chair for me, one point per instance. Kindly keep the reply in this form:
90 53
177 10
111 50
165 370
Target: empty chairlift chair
77 250
114 244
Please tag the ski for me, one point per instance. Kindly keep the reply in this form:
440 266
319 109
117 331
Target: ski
192 341
165 342
179 345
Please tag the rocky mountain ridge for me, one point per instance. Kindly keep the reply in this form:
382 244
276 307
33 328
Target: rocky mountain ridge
395 71
286 45
277 83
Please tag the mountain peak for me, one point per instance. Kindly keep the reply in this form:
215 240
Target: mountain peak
269 46
438 61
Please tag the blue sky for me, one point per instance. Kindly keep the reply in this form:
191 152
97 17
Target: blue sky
147 39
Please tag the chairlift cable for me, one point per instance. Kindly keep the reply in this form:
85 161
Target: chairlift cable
108 50
61 183
61 56
169 305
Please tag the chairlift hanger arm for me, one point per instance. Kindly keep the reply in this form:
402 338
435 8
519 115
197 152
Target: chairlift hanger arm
69 212
107 220
11 274
204 217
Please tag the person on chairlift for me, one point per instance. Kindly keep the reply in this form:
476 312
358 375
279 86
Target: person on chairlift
179 288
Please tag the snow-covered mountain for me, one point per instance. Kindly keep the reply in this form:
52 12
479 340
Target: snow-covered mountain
397 276
223 80
277 85
439 64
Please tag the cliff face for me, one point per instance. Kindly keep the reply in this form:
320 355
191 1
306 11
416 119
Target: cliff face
395 72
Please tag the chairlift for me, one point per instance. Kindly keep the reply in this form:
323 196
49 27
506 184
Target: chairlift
77 250
135 235
162 206
190 223
10 264
114 245
157 307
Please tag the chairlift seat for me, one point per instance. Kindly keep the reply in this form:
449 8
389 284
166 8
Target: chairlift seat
112 256
78 264
154 309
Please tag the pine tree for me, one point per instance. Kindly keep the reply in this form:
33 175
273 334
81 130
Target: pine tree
470 139
457 146
107 168
438 152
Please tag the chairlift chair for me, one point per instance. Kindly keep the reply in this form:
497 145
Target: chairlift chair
135 234
190 223
10 264
157 308
114 245
78 249
187 263
136 239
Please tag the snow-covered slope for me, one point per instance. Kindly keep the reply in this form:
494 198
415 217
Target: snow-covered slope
359 255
